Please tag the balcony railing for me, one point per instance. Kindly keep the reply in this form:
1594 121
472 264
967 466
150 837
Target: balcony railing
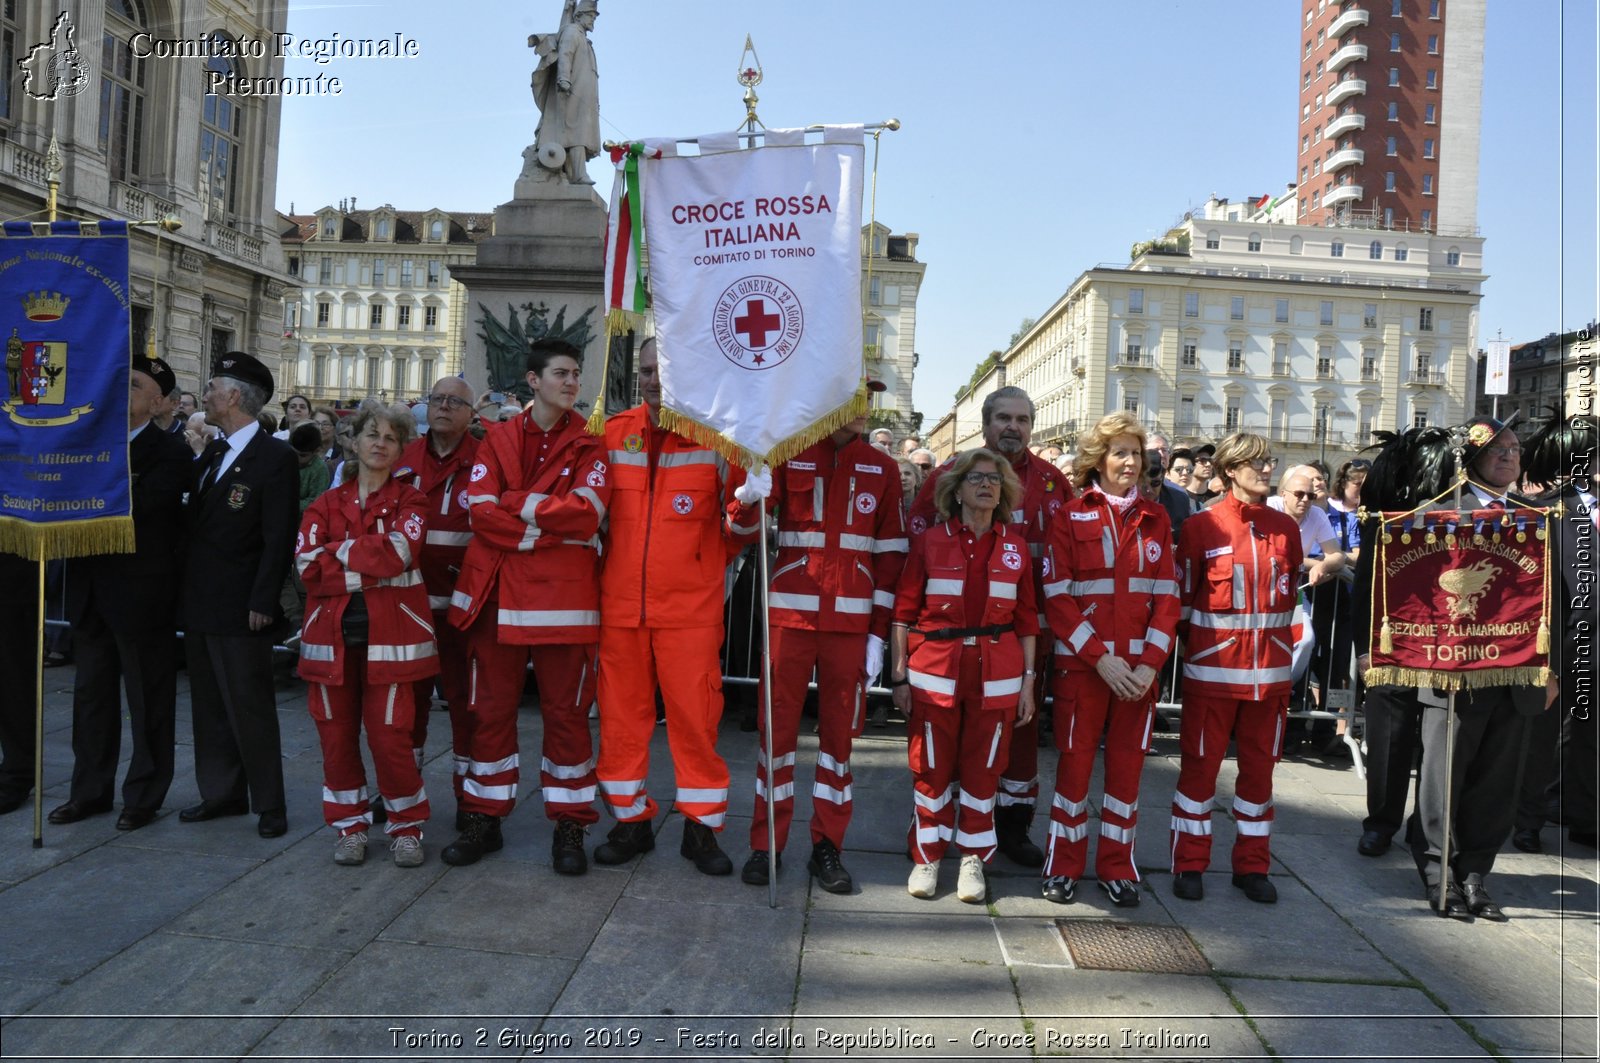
1280 368
1134 359
1345 157
1344 90
1343 194
1350 53
1346 123
1370 373
1346 22
1422 376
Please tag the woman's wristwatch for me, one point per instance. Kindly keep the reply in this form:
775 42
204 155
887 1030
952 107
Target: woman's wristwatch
903 681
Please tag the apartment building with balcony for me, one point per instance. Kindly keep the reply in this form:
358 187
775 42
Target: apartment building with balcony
377 312
891 278
1556 373
139 139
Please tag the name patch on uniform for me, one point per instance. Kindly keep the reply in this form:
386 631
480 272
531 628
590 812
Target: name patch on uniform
682 504
1084 516
869 468
804 466
1219 551
865 503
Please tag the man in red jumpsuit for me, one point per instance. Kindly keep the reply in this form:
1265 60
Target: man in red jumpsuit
1238 565
530 588
439 464
1007 431
672 532
841 545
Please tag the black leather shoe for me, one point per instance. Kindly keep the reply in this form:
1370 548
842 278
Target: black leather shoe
72 811
1011 831
700 845
1188 886
826 867
626 841
1058 889
1455 905
134 818
755 871
273 824
1526 841
1373 843
566 851
482 835
1257 887
1124 892
212 810
1478 901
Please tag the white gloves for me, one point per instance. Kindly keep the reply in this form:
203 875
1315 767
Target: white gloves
756 486
874 657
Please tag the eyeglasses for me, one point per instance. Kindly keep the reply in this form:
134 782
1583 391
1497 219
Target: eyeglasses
925 466
1261 464
1502 452
978 479
1303 495
449 402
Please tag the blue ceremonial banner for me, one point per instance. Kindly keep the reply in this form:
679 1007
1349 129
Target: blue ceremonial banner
64 489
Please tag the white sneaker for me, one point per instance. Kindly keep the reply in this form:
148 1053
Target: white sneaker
407 849
350 849
971 885
924 881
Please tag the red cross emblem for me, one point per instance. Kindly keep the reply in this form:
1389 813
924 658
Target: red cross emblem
757 322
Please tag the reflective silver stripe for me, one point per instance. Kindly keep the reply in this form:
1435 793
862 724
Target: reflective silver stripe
1058 588
438 602
781 792
744 529
1017 786
561 795
623 457
999 688
1119 808
711 819
1002 590
933 834
1018 516
1140 585
830 794
342 551
703 796
864 543
1080 636
883 598
1158 639
1191 826
985 840
409 578
952 587
891 546
343 797
1238 587
550 617
530 539
1109 546
472 786
566 771
342 825
460 764
400 804
994 747
1063 650
933 684
414 652
478 500
621 787
460 600
1190 805
1116 833
352 581
785 761
402 547
931 804
1036 550
927 737
528 507
635 809
316 651
805 540
1075 833
588 495
1238 676
1249 808
805 603
1071 808
448 538
1135 647
1255 827
679 459
827 763
492 767
859 606
1079 588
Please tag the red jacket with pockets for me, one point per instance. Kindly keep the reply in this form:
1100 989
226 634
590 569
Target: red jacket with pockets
1239 570
444 482
1110 584
344 548
841 539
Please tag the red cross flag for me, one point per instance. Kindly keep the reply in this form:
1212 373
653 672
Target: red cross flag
755 276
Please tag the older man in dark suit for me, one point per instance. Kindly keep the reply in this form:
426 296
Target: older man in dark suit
243 516
122 608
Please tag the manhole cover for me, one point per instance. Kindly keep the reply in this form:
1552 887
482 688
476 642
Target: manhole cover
1097 945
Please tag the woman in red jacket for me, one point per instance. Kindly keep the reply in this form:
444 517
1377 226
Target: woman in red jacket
368 637
1111 596
962 669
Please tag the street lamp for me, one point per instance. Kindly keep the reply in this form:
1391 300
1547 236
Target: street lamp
1322 433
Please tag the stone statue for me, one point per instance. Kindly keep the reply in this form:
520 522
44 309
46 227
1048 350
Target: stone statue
566 87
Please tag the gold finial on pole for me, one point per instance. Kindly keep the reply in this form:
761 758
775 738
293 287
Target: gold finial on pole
53 169
750 76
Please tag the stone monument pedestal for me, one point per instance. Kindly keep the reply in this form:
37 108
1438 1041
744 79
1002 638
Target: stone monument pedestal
542 271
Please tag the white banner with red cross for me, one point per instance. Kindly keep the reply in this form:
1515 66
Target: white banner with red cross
755 278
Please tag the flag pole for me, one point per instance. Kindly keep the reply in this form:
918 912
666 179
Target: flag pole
766 712
1459 447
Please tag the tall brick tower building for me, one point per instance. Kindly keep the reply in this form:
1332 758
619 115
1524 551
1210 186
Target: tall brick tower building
1390 105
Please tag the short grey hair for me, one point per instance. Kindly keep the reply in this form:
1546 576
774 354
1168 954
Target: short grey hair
252 399
1007 392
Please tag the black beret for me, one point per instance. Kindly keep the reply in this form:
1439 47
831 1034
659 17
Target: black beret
157 370
241 366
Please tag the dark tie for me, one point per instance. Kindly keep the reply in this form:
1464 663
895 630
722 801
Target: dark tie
215 451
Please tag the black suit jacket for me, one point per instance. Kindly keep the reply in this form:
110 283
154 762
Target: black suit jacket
131 591
241 538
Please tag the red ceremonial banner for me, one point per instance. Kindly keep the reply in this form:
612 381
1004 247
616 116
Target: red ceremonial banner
1461 600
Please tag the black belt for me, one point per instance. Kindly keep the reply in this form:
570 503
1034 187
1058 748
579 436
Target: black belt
966 634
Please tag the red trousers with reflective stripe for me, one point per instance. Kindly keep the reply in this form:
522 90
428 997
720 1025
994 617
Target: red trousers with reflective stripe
452 678
1085 709
385 709
1019 781
1257 731
496 674
840 661
949 743
683 660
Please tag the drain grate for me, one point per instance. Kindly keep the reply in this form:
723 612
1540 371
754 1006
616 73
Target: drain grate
1098 945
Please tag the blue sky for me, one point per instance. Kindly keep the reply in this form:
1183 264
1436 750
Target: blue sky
1039 138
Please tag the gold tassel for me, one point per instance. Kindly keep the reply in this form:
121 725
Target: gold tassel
1394 675
782 451
597 420
64 539
1541 642
1385 638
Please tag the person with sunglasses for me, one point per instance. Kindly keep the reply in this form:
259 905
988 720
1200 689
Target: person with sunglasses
1237 562
439 464
1297 496
962 665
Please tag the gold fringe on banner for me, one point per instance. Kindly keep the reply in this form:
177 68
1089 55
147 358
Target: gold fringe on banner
1393 675
63 539
782 451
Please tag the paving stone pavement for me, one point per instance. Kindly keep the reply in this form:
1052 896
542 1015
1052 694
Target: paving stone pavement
204 941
